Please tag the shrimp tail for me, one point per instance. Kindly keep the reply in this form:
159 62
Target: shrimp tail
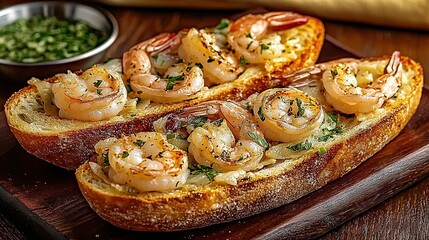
309 75
391 80
284 20
159 43
203 109
392 66
302 77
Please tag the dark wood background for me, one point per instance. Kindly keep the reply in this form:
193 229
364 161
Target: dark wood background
403 216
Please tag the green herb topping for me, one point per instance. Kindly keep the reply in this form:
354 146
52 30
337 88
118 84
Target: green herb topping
125 154
264 47
328 133
258 139
243 61
321 150
224 23
248 45
139 142
40 39
172 80
199 121
97 83
203 169
261 114
301 108
301 146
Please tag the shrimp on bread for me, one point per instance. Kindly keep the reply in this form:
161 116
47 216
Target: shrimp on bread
322 144
163 81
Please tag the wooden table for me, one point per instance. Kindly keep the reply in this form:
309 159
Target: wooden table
404 216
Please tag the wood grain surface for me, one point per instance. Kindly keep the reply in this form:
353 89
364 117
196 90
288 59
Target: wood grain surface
404 216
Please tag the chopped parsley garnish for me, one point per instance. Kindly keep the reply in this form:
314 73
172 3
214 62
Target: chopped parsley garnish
284 100
97 83
301 109
321 150
172 80
99 91
261 114
264 47
139 142
199 121
224 23
41 39
171 135
243 61
125 154
334 117
258 139
203 169
174 135
328 133
211 59
301 146
128 87
334 73
248 45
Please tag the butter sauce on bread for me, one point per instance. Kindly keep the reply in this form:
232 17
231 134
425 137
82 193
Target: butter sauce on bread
289 169
67 143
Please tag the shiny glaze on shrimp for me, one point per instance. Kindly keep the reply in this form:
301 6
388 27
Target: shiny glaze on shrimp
214 144
254 37
144 161
287 114
96 94
352 86
350 89
180 81
219 64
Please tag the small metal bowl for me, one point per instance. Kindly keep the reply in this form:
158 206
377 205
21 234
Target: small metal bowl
96 17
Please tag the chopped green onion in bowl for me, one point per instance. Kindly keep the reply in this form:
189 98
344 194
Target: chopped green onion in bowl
40 39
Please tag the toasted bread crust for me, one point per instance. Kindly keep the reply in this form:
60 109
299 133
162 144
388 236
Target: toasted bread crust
73 144
181 210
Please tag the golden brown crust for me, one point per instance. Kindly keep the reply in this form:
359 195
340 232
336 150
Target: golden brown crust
71 146
211 205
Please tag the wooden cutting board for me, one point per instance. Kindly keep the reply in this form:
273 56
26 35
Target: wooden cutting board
45 200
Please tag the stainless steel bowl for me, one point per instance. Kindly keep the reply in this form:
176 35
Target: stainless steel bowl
96 17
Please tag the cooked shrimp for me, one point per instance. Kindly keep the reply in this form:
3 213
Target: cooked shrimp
96 94
254 37
180 81
287 114
359 89
200 47
145 161
214 143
